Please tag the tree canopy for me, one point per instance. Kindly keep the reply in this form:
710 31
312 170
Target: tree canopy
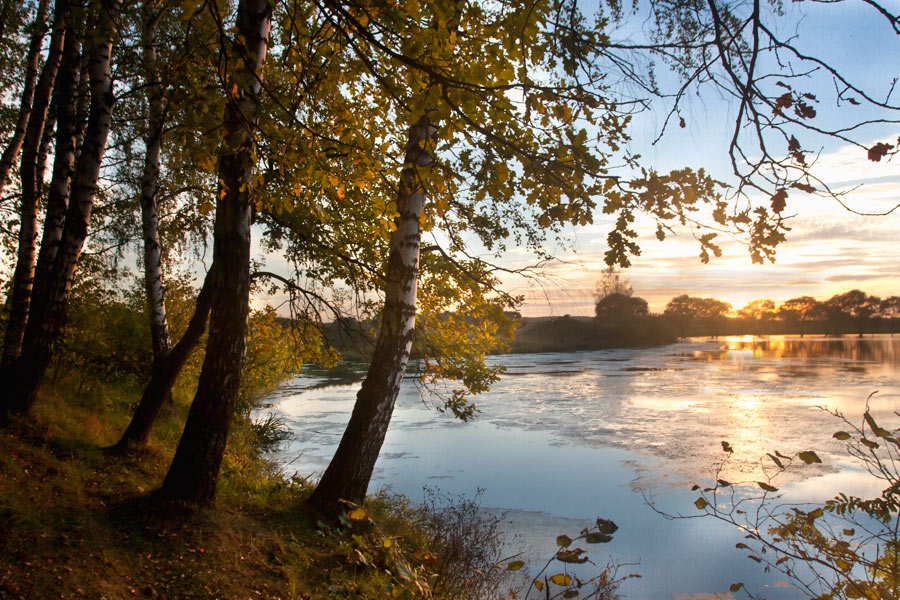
391 152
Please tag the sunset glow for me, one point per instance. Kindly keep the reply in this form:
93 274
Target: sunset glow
829 250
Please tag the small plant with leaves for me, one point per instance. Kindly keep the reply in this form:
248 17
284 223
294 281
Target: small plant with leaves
846 547
364 544
556 579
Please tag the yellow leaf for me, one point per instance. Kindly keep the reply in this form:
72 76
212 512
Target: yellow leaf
357 514
561 579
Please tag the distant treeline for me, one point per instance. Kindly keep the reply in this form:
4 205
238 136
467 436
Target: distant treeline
853 312
624 320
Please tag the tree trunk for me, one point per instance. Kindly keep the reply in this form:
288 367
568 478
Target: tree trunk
23 276
195 469
162 378
47 317
153 283
347 476
82 102
65 98
44 148
32 59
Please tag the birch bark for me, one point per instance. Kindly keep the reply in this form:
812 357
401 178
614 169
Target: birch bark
347 476
23 276
65 98
195 468
153 282
32 59
47 316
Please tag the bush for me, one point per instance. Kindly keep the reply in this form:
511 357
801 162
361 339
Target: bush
467 544
848 547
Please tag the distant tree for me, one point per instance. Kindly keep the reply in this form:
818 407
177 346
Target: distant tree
800 311
684 311
857 305
757 314
680 312
713 313
610 283
890 309
616 307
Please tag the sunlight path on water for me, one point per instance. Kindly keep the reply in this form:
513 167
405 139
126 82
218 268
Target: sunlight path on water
564 438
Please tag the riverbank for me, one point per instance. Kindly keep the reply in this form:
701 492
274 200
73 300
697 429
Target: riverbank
77 523
568 334
354 341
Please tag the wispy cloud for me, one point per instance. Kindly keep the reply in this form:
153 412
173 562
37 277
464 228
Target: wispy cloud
829 250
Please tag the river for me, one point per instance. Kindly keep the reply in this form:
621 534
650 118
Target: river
565 438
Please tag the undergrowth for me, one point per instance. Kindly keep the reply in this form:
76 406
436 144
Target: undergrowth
76 522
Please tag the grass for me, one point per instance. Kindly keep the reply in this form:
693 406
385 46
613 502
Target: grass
76 522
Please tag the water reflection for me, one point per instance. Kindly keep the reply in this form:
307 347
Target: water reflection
879 350
575 435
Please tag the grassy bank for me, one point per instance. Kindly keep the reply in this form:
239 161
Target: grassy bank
77 523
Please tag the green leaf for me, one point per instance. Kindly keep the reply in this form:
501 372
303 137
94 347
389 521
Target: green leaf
597 538
766 486
516 565
868 443
563 541
809 457
776 460
701 503
570 594
735 587
841 435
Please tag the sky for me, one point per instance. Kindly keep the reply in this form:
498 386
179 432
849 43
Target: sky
829 250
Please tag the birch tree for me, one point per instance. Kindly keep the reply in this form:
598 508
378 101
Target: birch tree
32 64
195 468
32 178
47 314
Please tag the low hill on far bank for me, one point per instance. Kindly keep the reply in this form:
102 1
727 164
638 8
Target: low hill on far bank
562 334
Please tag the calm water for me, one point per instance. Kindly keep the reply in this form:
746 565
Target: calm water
564 438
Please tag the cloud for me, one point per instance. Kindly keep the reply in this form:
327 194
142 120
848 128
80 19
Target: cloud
854 277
